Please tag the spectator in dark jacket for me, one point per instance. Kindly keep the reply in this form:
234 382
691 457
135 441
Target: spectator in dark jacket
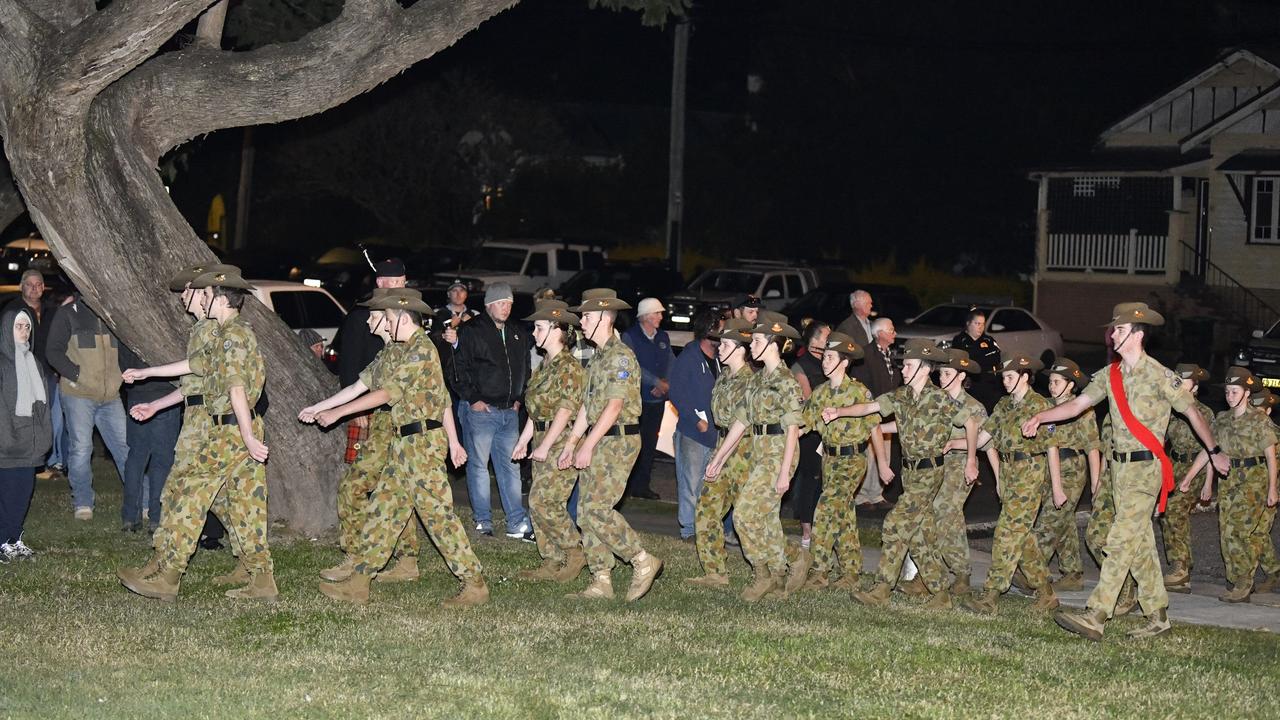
491 366
654 355
151 446
43 307
693 374
25 433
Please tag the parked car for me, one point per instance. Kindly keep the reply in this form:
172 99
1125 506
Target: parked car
302 306
1262 355
1015 329
829 303
775 283
18 256
527 265
633 281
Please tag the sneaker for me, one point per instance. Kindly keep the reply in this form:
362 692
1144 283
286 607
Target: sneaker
9 551
58 468
523 533
84 512
483 529
23 549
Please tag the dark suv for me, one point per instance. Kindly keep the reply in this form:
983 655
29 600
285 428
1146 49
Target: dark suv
1262 355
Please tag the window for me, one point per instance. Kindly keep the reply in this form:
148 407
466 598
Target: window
1015 321
568 260
289 309
592 259
537 265
772 287
501 259
793 286
320 311
735 281
1265 218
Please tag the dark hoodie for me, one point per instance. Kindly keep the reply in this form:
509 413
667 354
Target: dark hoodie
24 441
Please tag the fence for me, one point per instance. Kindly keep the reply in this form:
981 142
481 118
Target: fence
1131 253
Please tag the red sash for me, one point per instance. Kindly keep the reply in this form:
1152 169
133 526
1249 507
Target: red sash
1142 434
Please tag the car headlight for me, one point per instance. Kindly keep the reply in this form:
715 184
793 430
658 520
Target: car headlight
1242 357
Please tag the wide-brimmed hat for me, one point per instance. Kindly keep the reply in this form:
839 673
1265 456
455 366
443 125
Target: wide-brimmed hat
600 299
774 323
736 329
1192 372
228 278
1014 362
556 311
1134 312
960 361
179 282
400 299
377 293
1241 376
844 345
1264 398
1068 369
922 349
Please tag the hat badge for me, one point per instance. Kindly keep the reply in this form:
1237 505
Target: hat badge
402 301
604 303
555 313
776 328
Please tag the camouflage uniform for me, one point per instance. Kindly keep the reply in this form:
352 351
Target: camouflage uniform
1021 487
1055 528
835 521
925 424
1152 390
1104 507
415 472
1269 561
728 400
223 461
1175 524
773 398
949 533
557 384
1242 494
612 374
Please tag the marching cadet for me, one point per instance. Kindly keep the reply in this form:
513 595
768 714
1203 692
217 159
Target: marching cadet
361 476
1264 400
1140 392
923 416
1175 524
1103 513
1020 481
604 444
552 399
844 463
729 399
1078 460
1249 441
772 417
415 475
231 458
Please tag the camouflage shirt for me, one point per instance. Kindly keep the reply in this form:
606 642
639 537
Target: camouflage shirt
1182 439
773 397
238 363
415 383
1107 437
201 355
556 384
729 395
376 373
841 431
1005 425
613 374
925 421
1243 437
1079 433
975 408
1151 388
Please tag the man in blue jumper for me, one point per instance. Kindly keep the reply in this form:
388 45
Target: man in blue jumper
692 376
653 352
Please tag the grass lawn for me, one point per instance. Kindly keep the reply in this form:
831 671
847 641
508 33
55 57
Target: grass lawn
78 645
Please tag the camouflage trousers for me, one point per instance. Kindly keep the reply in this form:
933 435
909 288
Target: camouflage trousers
755 514
713 504
1175 524
1269 562
605 532
1104 512
1243 521
195 431
1021 490
835 520
548 504
951 537
911 527
1130 545
415 478
222 465
1055 529
358 483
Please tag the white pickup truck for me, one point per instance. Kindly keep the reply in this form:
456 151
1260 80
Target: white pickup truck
527 265
774 283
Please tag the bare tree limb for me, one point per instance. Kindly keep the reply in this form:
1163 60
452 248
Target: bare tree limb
196 91
21 31
61 14
11 205
209 29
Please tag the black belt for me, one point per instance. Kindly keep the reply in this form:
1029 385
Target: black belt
924 464
1139 456
1179 457
1066 453
230 418
722 433
1247 462
623 430
770 429
418 426
1019 456
541 425
844 450
193 400
259 408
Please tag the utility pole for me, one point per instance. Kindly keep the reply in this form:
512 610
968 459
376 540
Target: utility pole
675 191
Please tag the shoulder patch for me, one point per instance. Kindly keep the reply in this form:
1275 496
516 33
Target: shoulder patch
415 357
623 374
226 345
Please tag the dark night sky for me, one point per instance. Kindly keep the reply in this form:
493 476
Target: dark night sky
884 126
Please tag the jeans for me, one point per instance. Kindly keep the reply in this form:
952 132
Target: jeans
691 464
650 425
82 416
56 456
492 436
150 459
16 486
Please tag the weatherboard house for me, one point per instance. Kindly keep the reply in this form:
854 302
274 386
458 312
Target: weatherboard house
1178 205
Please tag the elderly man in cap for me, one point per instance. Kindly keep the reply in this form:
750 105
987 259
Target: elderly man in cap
1141 392
652 349
491 367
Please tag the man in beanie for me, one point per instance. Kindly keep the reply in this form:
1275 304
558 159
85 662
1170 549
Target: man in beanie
491 366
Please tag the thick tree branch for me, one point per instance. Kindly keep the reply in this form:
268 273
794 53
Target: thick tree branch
196 91
60 14
10 201
209 29
22 33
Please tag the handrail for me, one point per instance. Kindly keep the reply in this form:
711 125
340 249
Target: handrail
1240 300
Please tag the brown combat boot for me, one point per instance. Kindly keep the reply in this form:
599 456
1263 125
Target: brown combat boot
710 580
574 563
814 583
238 576
1019 582
1128 600
645 568
762 585
1238 594
601 588
135 574
877 596
261 587
546 571
1157 624
961 586
1178 579
941 600
341 571
162 585
983 603
1070 582
1269 583
405 570
355 589
1087 624
847 583
474 592
1046 599
799 571
914 587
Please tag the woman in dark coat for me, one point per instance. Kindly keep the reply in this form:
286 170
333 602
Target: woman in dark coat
25 431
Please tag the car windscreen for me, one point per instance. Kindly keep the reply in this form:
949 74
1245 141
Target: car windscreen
500 259
1274 332
728 281
947 316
